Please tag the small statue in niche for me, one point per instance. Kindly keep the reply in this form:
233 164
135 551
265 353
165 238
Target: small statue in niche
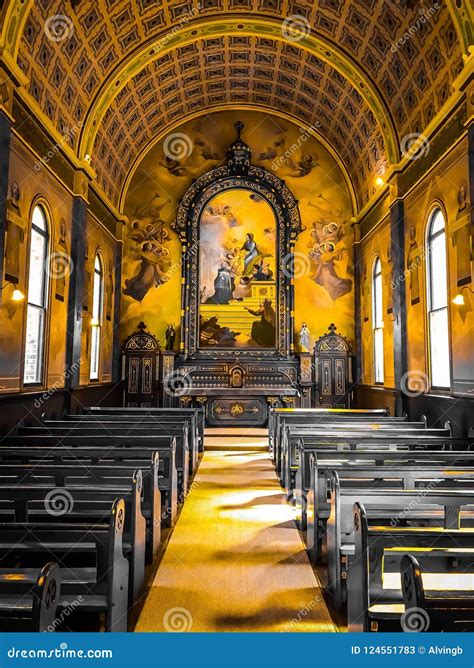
305 338
15 195
15 235
462 197
170 335
62 232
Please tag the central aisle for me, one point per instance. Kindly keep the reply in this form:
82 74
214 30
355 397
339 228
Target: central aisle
235 561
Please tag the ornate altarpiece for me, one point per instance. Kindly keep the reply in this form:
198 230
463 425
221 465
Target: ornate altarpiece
238 383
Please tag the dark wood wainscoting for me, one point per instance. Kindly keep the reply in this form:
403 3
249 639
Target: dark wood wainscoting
30 406
437 408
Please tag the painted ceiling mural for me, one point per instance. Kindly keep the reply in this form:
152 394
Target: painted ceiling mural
243 259
65 76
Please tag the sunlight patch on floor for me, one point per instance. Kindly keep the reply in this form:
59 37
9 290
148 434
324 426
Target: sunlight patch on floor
235 561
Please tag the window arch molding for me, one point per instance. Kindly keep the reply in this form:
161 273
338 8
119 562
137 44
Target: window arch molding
377 319
97 315
437 286
38 293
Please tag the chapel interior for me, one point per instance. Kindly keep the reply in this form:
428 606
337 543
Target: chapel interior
236 315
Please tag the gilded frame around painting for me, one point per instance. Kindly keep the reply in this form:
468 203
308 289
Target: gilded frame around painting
288 224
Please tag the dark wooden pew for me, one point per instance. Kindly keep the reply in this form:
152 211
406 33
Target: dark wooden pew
94 570
196 414
37 502
383 473
308 421
118 448
168 426
29 604
276 414
116 478
289 426
297 443
378 551
388 507
311 417
296 474
95 435
94 458
444 609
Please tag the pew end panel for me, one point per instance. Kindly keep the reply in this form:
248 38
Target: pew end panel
117 571
46 595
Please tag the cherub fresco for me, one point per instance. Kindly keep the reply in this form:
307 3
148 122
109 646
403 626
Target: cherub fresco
148 237
329 255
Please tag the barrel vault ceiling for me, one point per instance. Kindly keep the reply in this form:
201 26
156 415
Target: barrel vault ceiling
66 77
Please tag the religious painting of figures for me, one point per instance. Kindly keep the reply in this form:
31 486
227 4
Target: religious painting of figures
148 240
329 255
237 272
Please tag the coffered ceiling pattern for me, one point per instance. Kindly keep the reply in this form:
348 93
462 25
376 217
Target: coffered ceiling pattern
414 77
238 71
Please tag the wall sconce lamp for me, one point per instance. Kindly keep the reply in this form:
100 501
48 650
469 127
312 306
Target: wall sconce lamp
17 295
459 298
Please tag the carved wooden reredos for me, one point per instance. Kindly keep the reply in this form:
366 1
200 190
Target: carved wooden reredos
237 173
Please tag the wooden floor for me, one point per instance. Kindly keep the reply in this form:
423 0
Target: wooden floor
235 561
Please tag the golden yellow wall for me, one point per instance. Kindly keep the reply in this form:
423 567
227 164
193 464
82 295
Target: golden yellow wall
33 183
444 187
441 187
323 252
36 181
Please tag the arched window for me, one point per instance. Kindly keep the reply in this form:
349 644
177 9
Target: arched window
437 302
37 298
96 323
377 321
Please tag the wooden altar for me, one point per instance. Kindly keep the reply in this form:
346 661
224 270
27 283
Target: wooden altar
239 375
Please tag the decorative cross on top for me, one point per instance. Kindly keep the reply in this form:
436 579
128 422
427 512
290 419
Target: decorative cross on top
239 126
332 327
141 326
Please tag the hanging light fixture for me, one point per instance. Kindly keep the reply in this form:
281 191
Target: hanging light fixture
459 298
17 295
